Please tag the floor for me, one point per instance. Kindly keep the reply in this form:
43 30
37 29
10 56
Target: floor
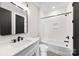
49 53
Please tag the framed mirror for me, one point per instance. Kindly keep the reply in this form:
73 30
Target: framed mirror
19 24
5 22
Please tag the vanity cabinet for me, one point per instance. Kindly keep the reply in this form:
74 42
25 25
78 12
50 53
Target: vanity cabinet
32 50
5 22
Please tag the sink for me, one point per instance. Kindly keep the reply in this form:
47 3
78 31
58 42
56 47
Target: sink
20 43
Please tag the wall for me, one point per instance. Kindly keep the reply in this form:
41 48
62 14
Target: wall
32 21
33 16
70 24
55 29
57 11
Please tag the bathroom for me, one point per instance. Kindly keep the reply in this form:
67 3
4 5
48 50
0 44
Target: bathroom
38 28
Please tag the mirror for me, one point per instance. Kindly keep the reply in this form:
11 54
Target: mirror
5 22
19 24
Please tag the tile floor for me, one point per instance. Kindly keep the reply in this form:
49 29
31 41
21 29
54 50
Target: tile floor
49 53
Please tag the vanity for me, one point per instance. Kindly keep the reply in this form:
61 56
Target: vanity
27 47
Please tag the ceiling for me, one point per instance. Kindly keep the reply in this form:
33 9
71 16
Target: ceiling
47 6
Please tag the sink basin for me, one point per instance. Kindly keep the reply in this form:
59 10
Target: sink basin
20 43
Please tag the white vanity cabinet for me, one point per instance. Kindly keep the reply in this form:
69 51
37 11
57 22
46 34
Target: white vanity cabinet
26 47
32 50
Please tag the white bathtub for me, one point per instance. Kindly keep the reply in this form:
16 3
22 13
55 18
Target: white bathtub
58 48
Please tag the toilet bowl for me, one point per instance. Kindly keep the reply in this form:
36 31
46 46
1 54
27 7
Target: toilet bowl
43 49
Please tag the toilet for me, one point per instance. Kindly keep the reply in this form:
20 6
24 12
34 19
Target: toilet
43 49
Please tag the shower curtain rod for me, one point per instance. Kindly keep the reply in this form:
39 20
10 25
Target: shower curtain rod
56 15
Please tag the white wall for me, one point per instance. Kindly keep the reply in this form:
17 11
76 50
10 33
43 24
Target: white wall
70 24
33 19
33 24
58 11
55 29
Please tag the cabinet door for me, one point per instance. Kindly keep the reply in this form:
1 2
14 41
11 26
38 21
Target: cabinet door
19 24
5 22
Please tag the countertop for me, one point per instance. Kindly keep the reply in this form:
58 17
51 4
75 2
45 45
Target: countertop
10 49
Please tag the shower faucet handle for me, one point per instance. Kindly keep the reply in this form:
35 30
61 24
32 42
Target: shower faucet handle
67 37
66 41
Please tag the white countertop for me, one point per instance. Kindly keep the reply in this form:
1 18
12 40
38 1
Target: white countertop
11 49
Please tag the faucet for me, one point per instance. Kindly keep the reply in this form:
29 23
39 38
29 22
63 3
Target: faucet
13 41
18 39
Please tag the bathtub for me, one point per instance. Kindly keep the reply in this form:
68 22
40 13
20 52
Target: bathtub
58 48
